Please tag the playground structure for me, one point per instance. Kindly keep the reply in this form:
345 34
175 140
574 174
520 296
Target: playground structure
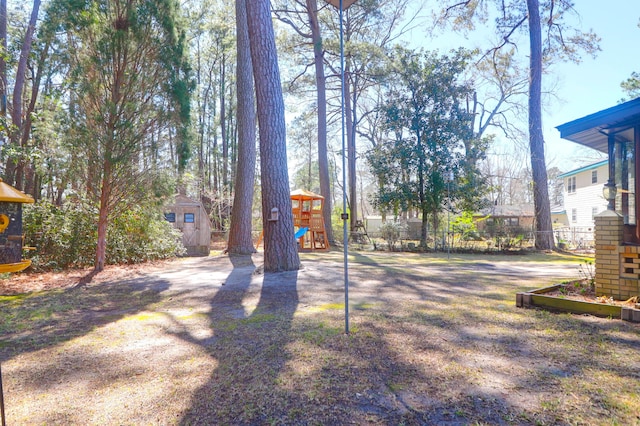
308 221
11 238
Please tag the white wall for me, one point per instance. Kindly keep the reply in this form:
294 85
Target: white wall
586 196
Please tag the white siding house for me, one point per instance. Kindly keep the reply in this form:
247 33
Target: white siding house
583 200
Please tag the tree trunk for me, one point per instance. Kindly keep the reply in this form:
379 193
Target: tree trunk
349 108
321 91
240 239
103 218
223 131
12 176
3 62
544 232
280 248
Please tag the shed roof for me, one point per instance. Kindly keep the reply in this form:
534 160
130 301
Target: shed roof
593 130
10 194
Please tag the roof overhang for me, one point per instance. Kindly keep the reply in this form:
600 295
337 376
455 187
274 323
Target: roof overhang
594 130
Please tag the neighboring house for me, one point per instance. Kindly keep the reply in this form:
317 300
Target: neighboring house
583 200
505 219
559 216
190 217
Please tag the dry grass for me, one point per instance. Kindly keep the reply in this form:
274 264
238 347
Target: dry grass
434 340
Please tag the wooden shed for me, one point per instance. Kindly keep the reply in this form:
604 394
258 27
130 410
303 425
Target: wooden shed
190 217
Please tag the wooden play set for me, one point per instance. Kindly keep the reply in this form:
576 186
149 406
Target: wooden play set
308 221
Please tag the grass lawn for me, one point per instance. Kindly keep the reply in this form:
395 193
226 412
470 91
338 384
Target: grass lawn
434 339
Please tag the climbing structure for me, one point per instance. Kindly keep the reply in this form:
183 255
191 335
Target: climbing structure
307 213
11 201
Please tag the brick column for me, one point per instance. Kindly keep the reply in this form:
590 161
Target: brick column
609 228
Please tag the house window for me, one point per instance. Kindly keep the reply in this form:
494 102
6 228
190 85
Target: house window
170 217
189 218
571 184
594 212
512 221
574 215
594 176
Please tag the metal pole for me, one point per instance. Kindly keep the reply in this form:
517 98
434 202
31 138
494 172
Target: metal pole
345 215
448 213
4 422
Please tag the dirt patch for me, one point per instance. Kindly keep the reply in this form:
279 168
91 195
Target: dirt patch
583 291
29 282
433 340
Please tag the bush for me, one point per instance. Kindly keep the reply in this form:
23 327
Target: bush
390 232
65 237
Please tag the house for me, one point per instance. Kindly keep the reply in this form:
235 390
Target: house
616 132
190 217
502 219
583 201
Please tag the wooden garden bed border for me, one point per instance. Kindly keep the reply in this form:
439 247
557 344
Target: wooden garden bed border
537 298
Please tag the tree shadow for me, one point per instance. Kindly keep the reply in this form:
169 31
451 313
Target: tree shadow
251 318
29 322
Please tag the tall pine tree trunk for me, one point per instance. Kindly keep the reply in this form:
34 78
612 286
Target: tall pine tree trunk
544 234
3 62
13 171
349 108
240 239
321 90
280 248
103 217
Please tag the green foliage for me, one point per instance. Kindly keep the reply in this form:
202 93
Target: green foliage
424 164
587 272
66 237
390 232
465 227
631 86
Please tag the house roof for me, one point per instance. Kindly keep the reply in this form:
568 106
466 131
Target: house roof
519 210
584 168
593 130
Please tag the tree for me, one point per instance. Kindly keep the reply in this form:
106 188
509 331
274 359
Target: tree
240 239
370 28
280 249
426 114
631 86
130 79
18 132
309 29
560 43
544 227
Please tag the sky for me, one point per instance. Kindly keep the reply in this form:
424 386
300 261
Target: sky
585 88
594 84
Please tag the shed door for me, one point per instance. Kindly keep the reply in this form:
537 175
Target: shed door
189 230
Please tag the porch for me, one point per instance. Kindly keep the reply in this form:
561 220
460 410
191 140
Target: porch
616 132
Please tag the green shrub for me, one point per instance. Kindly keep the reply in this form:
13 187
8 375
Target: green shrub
390 232
65 237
